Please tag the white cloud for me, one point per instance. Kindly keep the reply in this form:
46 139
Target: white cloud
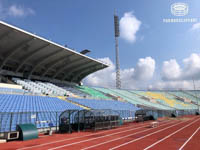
19 11
105 77
144 69
14 11
129 26
171 70
173 75
191 67
195 26
131 78
176 77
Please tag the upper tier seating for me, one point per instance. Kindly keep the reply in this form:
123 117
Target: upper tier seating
152 99
141 100
104 104
193 93
185 96
180 102
42 88
42 107
92 92
133 98
167 99
75 91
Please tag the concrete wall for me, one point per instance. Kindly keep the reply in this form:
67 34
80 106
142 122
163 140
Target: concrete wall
13 86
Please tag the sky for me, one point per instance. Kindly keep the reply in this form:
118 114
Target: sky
154 54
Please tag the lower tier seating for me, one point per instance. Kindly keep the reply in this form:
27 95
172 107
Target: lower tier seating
125 109
39 110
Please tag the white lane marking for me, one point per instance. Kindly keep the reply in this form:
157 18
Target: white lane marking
119 138
171 134
144 136
30 147
58 147
189 139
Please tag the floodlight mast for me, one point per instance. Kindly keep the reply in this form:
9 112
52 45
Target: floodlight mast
196 95
118 80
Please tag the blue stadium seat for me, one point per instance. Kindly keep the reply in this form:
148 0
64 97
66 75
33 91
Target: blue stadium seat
23 108
124 108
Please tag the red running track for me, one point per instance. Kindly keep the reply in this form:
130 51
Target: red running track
183 134
88 142
192 143
77 143
177 139
161 137
55 138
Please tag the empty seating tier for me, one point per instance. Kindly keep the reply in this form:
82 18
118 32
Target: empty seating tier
39 110
121 107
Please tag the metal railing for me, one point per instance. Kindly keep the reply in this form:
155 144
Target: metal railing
106 125
10 120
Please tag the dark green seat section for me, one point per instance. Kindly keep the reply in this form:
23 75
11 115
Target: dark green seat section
27 132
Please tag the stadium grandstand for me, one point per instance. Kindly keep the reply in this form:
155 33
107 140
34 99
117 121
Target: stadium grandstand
41 81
